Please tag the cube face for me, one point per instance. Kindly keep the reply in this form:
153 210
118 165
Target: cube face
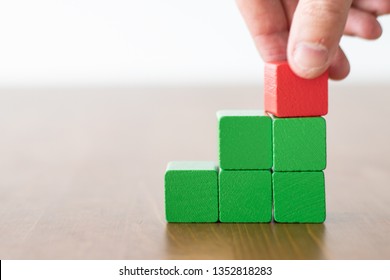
245 196
191 192
299 144
287 95
245 140
299 197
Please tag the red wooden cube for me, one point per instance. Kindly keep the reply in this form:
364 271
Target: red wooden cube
287 95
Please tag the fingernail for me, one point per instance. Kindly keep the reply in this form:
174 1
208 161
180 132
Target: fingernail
309 56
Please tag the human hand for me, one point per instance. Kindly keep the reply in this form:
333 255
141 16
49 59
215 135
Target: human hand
307 32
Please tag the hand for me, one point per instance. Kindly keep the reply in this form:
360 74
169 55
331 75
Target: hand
307 32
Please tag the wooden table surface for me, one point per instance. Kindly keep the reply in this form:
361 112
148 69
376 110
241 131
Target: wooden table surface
81 176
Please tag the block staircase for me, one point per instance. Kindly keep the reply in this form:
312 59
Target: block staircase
270 162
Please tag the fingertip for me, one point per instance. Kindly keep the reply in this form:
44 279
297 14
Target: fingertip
338 74
309 60
372 31
362 24
272 47
340 67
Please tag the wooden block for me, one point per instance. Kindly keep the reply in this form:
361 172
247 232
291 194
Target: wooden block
299 144
245 140
245 196
287 95
191 192
299 197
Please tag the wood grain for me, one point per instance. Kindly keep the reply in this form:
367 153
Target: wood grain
82 176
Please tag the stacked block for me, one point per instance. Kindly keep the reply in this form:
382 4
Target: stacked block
299 197
245 140
287 95
299 143
270 162
245 158
245 196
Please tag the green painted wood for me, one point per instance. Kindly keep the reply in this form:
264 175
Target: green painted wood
299 144
299 197
245 140
245 196
191 192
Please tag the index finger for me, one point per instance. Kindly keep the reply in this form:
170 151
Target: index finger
267 23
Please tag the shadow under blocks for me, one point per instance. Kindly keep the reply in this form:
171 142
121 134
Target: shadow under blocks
271 161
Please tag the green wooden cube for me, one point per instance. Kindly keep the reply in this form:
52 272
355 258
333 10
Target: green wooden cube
299 197
245 196
191 192
245 140
299 144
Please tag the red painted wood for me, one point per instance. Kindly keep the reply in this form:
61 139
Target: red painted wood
287 95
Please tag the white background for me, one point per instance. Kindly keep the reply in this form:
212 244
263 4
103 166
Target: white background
78 43
302 270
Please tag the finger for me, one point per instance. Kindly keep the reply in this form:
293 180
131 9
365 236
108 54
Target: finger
315 34
339 67
377 7
289 9
362 24
268 26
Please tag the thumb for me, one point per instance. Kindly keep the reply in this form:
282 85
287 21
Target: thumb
315 33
